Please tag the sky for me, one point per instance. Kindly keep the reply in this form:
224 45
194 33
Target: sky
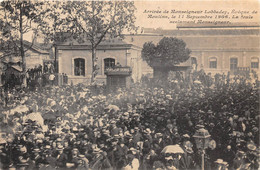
142 19
228 5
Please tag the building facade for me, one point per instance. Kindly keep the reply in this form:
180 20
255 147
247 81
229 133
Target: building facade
75 59
217 49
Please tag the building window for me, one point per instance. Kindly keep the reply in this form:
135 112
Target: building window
108 63
79 67
233 64
213 62
254 62
194 63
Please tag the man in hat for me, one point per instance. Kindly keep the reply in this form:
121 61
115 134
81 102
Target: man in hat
135 122
23 157
61 158
67 149
169 163
239 161
158 143
114 130
129 140
219 164
74 157
37 159
147 138
111 152
120 152
101 161
4 160
252 156
49 160
229 155
137 136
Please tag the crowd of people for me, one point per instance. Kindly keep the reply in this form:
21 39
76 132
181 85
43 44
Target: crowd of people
72 127
38 76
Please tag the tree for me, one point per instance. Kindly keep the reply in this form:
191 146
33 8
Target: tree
17 18
93 21
168 53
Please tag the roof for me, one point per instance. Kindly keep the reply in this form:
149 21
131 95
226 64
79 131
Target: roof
36 47
217 39
116 43
65 40
18 68
15 67
191 32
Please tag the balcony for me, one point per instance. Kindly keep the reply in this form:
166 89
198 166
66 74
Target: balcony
119 71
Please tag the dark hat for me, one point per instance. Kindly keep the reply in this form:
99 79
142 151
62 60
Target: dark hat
114 140
130 156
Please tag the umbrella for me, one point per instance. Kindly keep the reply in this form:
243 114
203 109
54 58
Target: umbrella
35 116
172 149
19 109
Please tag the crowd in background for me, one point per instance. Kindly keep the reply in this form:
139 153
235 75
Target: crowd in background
75 127
39 76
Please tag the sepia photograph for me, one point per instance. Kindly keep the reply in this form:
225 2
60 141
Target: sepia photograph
129 84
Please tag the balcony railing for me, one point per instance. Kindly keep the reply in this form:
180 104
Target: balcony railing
243 71
118 70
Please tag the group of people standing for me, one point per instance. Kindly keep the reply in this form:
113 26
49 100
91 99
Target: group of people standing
39 76
129 129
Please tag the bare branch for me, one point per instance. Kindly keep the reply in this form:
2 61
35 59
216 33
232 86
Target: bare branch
102 36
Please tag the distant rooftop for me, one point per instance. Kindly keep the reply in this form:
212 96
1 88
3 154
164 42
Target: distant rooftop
204 31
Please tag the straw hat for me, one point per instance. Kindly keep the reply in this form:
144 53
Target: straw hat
251 146
60 147
147 131
219 161
96 150
186 136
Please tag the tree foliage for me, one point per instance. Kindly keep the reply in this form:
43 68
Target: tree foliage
17 18
168 52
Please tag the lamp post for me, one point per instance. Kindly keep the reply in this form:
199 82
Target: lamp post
202 138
